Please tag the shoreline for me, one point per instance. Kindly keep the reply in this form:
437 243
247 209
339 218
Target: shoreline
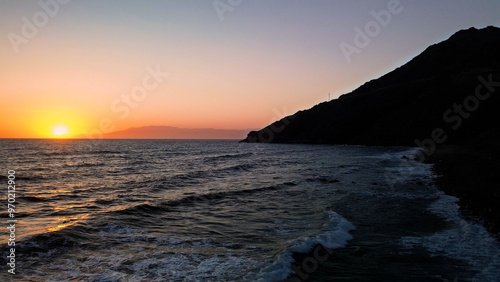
470 173
377 251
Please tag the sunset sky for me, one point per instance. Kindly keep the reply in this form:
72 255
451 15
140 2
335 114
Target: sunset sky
76 67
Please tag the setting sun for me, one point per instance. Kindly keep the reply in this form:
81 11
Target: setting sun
60 130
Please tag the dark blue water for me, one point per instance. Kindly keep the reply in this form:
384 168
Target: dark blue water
157 210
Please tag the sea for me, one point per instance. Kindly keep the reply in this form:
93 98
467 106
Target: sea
219 210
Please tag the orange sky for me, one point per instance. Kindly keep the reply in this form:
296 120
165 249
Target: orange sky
258 63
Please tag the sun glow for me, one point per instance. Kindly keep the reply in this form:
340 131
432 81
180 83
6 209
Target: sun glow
59 131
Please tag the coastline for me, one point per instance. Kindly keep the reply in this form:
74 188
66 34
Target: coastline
387 251
470 173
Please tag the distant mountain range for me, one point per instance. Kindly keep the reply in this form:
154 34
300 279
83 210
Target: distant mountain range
168 132
449 93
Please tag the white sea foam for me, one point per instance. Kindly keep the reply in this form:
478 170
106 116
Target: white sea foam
464 241
190 267
335 234
401 171
408 152
112 230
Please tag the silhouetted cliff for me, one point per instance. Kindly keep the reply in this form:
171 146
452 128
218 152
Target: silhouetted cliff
447 94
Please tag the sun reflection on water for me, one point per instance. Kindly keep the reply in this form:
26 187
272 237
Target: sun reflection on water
67 221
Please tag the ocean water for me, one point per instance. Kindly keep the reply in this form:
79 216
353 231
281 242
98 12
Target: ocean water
173 210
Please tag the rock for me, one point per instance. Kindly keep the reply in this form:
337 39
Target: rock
405 106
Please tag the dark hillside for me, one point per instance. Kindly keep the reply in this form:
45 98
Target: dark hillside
409 102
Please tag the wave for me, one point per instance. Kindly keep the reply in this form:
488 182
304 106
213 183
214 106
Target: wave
103 152
409 152
77 153
51 154
239 167
463 239
194 199
52 244
335 234
20 176
18 215
228 156
196 177
340 172
181 261
349 169
34 199
86 165
104 202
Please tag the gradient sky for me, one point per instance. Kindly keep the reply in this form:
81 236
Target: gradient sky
260 61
